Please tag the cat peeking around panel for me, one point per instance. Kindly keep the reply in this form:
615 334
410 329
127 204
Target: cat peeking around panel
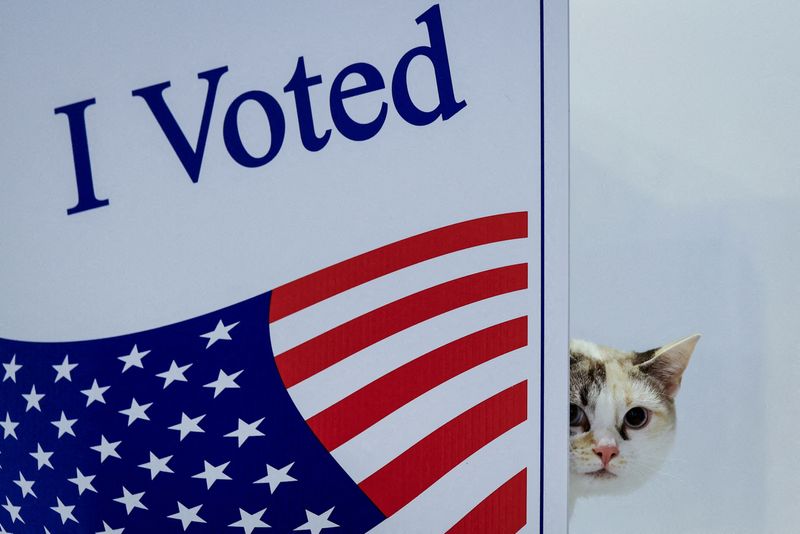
621 414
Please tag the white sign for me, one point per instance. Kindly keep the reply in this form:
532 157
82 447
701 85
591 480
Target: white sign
297 265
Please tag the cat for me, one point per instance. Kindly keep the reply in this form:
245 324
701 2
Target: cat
622 414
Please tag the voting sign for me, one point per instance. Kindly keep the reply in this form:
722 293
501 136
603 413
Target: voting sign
286 267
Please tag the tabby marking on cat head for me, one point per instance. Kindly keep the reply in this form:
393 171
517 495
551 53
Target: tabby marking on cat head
622 413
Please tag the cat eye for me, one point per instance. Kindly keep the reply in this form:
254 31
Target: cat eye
577 417
637 417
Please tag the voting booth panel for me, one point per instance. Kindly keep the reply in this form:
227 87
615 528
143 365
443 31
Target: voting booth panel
296 266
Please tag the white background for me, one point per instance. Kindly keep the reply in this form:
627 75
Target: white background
685 216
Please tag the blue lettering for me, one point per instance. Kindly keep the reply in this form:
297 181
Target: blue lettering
191 158
437 54
344 123
80 155
277 129
299 85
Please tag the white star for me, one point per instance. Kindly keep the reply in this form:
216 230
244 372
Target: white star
95 393
246 430
65 369
13 511
174 374
108 530
131 500
224 381
188 425
134 359
42 457
64 425
220 332
212 473
187 516
11 369
84 482
64 511
33 399
106 449
250 522
276 476
157 465
136 411
9 427
316 523
25 485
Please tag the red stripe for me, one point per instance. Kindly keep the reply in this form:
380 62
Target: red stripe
316 354
347 274
404 478
502 512
365 407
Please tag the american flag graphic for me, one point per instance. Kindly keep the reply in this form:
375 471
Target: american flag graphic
385 393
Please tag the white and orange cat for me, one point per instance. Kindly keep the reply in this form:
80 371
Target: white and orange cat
622 414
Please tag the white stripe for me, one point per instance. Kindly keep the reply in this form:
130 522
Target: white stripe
442 505
327 314
385 440
351 374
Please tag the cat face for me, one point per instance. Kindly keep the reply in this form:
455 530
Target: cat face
622 413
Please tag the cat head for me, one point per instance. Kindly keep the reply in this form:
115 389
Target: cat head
622 413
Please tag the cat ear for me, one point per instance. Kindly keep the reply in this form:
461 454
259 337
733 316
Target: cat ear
668 363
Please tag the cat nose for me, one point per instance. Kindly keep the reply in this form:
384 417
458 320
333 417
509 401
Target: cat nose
606 453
